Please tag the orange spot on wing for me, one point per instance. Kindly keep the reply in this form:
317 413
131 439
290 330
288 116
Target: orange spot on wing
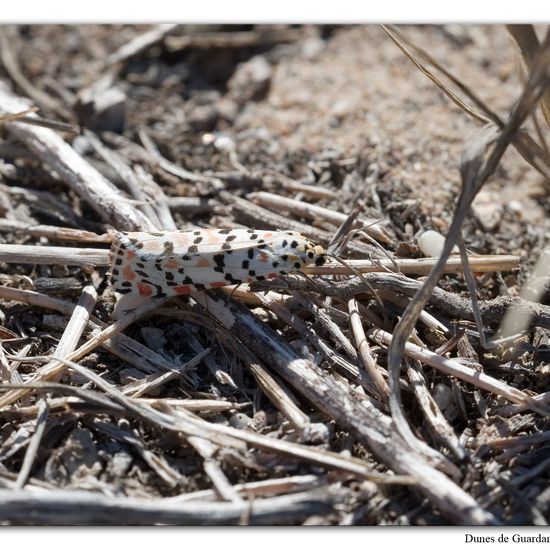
144 290
263 257
267 235
271 275
130 254
182 289
203 262
128 273
213 239
217 284
172 264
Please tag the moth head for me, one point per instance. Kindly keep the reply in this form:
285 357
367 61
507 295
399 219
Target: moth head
313 254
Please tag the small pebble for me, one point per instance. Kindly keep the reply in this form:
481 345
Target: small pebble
240 421
431 244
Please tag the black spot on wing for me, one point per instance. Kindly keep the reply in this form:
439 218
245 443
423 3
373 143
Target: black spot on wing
124 290
219 260
232 280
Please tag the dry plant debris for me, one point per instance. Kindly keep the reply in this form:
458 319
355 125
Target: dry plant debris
381 387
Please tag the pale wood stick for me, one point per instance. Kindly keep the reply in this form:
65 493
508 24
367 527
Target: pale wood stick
418 266
45 255
40 255
203 407
436 422
53 232
67 343
454 368
156 462
281 397
272 486
140 43
207 450
87 508
311 211
363 349
314 191
86 181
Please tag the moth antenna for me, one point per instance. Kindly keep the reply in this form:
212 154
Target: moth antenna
360 275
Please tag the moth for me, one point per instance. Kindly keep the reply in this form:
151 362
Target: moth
170 263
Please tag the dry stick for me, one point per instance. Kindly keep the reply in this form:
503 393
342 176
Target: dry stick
139 387
419 266
87 182
53 232
280 396
121 345
67 343
454 368
313 191
207 450
474 173
232 39
158 197
435 419
47 200
254 215
192 205
12 67
363 350
455 306
85 508
271 486
140 43
472 289
314 211
306 332
322 318
34 444
402 302
155 462
113 159
333 398
79 396
44 255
